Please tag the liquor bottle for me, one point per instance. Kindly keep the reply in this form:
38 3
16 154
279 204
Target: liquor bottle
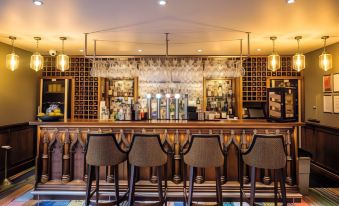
198 104
220 90
132 111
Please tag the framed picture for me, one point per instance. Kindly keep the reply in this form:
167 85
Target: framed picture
336 104
328 103
327 83
336 82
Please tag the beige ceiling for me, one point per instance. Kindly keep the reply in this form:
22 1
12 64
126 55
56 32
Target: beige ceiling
193 24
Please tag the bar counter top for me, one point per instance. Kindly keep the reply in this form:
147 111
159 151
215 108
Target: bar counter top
170 124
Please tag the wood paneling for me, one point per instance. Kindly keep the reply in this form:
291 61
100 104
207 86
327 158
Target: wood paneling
21 137
322 142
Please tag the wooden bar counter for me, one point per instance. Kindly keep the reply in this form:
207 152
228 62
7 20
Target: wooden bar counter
60 161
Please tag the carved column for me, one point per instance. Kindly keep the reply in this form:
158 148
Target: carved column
289 179
243 147
177 158
44 157
266 179
224 169
66 158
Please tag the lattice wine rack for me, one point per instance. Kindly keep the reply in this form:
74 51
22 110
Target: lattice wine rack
86 91
254 81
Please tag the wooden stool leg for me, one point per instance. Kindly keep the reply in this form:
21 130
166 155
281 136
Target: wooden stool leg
166 186
218 185
282 186
116 183
131 185
89 184
241 175
190 195
160 192
252 197
97 177
275 187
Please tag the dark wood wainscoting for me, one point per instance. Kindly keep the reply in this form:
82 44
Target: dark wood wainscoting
323 143
21 137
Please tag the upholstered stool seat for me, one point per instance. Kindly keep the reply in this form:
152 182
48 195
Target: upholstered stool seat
147 151
204 151
103 150
265 152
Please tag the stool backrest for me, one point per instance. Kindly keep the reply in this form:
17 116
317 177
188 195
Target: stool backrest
267 152
103 150
147 151
204 151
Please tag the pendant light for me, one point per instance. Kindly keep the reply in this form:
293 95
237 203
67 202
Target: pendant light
274 58
62 59
298 58
12 60
325 59
37 60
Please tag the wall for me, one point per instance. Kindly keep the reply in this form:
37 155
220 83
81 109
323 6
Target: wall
18 90
313 86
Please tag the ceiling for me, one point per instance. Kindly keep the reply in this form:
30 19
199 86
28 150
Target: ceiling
211 25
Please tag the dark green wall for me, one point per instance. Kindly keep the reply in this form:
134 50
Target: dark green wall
18 89
313 86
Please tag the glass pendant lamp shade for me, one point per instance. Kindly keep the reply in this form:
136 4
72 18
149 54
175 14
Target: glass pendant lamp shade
12 59
62 61
274 58
325 59
37 60
298 58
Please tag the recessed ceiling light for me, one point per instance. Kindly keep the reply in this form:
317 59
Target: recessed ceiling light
162 2
291 1
38 2
199 50
81 50
258 49
139 50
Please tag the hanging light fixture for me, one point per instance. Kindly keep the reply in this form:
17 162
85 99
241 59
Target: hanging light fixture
62 61
325 59
274 58
12 60
298 58
37 60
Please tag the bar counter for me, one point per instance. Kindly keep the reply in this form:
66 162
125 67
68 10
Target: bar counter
61 166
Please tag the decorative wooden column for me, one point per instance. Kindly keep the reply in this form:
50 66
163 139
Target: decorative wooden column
266 179
243 148
177 158
224 168
289 179
66 158
45 142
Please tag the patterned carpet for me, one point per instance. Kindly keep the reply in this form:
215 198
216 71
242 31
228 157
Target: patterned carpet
19 194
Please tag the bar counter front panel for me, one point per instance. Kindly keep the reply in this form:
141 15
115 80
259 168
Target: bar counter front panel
61 166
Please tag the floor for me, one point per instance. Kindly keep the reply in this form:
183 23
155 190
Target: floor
323 192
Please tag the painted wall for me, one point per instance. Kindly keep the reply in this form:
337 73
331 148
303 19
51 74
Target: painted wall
313 86
18 90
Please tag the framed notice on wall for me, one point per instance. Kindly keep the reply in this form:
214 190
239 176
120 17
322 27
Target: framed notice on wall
328 103
336 104
336 82
327 83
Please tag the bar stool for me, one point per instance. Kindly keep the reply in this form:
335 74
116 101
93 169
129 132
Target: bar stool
6 180
204 151
147 151
102 150
265 152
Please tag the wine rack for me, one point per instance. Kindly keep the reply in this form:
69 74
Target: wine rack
256 73
86 88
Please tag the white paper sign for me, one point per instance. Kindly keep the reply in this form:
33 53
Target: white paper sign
336 82
336 104
328 103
